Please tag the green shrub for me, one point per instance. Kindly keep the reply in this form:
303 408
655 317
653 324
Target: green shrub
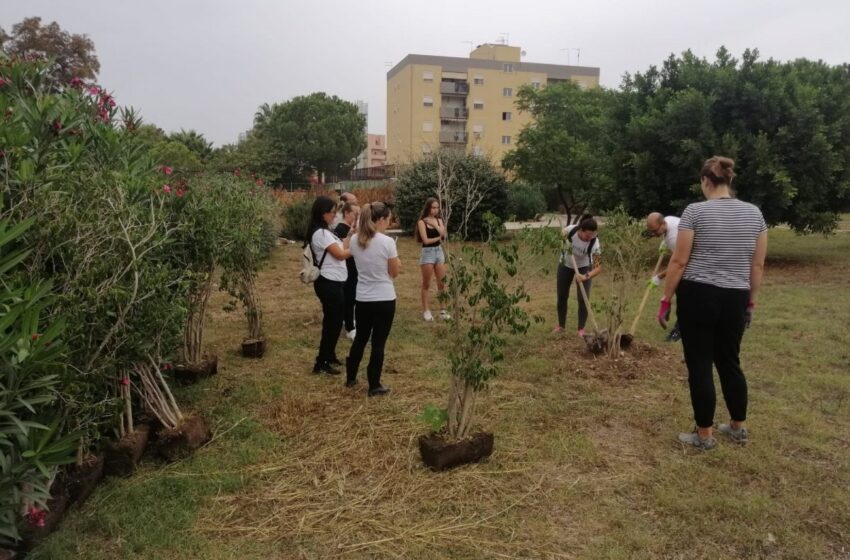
296 217
458 175
525 201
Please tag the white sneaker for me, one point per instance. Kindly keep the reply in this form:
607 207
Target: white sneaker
351 334
444 315
427 315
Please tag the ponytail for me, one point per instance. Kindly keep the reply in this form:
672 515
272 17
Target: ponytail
719 170
587 223
366 229
369 214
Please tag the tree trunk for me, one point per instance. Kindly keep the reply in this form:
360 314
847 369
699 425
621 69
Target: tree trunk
193 334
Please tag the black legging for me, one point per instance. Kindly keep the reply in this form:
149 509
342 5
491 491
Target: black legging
565 280
711 320
375 319
330 293
349 291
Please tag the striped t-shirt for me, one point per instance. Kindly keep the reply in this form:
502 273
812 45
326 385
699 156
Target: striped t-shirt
725 234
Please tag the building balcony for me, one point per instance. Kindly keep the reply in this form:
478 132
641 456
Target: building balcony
454 113
454 88
450 137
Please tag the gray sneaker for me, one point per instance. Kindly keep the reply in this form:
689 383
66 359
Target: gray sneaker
738 436
694 440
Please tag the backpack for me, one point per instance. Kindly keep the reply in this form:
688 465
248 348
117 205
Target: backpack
310 271
590 246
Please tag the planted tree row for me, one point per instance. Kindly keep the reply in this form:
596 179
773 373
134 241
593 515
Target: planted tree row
107 261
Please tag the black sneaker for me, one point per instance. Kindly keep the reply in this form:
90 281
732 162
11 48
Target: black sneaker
379 391
350 382
325 367
335 362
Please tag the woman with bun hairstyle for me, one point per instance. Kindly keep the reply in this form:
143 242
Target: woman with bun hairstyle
376 257
431 232
329 254
581 243
715 272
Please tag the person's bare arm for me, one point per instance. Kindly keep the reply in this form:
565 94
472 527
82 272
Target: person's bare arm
393 267
339 253
678 262
757 269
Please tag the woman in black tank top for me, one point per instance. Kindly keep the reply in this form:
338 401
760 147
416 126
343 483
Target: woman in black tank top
430 231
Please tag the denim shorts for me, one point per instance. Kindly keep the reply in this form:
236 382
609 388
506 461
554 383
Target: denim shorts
432 255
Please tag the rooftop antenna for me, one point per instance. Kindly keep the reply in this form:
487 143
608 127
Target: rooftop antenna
578 56
568 54
505 38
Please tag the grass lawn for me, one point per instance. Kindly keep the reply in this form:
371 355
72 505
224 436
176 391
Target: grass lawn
586 463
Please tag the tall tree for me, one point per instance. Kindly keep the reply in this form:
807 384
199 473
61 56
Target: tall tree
316 132
74 54
786 124
195 141
567 143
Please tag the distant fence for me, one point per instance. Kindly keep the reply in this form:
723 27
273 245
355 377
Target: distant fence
379 173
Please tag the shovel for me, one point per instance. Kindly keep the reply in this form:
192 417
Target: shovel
598 341
626 339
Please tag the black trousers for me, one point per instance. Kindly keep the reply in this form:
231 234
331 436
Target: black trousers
374 319
711 320
349 292
330 293
565 280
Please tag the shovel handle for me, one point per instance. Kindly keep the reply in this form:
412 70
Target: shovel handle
645 296
584 295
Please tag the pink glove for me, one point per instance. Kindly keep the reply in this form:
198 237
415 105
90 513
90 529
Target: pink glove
664 312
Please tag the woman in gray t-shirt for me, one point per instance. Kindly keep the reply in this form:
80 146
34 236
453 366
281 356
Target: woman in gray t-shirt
715 272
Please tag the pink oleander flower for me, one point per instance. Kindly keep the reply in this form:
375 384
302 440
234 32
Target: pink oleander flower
2 82
94 90
124 380
36 516
35 336
167 170
76 82
166 189
180 193
166 366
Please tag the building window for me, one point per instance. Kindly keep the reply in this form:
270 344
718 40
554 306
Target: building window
426 148
478 80
506 140
478 128
427 126
508 67
506 116
428 76
427 101
477 104
535 83
477 150
507 92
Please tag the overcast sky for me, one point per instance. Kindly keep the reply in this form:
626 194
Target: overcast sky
208 64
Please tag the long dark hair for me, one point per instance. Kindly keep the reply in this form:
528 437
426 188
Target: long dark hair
321 206
426 211
587 223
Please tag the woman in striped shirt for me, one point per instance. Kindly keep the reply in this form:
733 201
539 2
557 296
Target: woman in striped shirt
716 271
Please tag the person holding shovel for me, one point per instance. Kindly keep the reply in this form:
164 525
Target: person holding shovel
667 227
582 244
716 272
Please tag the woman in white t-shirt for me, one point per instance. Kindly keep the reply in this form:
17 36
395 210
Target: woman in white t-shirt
329 252
376 257
583 244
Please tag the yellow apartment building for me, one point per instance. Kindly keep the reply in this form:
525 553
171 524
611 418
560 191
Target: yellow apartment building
467 103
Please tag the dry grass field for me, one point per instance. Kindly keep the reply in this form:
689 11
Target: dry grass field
586 463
